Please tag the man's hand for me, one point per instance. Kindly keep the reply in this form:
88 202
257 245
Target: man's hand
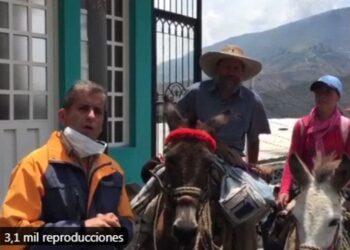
103 220
265 172
282 200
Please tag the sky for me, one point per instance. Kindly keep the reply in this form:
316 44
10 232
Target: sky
228 18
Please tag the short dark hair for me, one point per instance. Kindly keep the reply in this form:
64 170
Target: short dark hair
82 85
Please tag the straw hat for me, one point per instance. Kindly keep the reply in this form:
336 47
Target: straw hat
209 60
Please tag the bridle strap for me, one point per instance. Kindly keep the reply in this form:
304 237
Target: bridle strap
192 191
156 175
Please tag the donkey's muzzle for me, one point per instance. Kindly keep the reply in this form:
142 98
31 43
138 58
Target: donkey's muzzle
185 233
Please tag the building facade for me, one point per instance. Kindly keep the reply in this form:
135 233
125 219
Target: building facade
44 50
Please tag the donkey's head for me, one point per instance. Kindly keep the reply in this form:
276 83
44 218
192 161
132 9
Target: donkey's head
318 207
188 158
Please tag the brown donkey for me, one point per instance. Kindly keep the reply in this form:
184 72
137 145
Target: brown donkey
187 212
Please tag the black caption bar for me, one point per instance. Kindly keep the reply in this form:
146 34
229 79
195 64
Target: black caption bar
63 236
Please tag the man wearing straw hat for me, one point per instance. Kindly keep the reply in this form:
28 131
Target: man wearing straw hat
228 69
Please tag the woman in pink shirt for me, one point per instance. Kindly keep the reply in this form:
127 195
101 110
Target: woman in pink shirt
324 130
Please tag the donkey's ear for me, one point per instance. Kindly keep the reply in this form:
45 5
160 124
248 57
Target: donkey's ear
342 173
217 121
300 172
172 116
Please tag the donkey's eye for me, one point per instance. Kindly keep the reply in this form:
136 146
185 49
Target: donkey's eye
333 223
171 159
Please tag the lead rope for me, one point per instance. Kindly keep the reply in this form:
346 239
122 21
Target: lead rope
205 229
344 241
156 215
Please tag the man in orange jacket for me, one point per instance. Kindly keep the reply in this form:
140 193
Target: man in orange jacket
69 182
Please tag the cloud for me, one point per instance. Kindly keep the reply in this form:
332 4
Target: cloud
227 18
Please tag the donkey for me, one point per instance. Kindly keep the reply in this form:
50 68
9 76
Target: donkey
188 200
318 208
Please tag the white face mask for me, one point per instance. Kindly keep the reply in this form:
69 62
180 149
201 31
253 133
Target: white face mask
83 145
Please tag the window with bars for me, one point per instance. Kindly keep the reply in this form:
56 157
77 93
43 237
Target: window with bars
117 67
23 60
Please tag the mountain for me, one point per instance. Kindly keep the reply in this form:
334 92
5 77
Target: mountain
329 28
294 55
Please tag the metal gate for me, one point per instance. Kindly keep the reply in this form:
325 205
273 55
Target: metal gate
176 51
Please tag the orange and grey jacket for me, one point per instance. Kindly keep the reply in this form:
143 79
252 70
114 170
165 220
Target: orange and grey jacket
47 189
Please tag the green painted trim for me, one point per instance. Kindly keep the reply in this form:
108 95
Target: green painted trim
69 44
133 157
132 76
138 152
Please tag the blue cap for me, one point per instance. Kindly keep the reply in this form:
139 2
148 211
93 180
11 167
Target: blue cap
329 80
